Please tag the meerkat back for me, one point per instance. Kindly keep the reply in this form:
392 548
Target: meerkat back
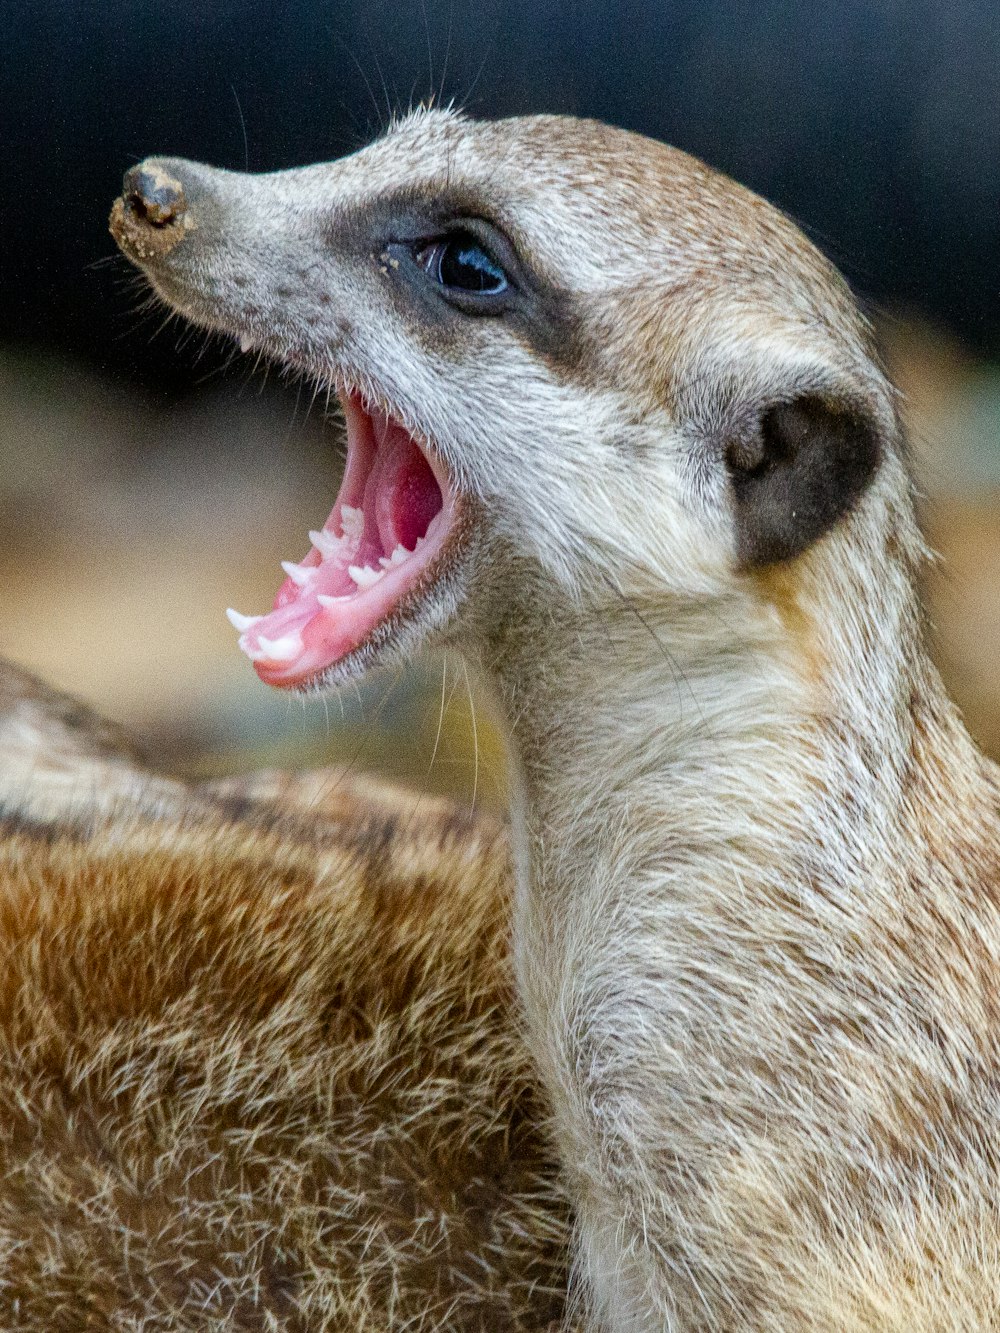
257 1064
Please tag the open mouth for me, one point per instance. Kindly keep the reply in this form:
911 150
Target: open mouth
392 517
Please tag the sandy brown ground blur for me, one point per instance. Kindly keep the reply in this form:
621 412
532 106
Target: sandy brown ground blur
126 529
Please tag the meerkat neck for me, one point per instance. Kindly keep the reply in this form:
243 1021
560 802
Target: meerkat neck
685 769
715 803
699 723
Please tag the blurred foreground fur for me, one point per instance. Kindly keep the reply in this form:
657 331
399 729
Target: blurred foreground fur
257 1063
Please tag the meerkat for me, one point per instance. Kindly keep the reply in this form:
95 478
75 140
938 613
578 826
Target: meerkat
617 430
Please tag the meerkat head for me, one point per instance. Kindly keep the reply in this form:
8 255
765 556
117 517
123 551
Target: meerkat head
567 356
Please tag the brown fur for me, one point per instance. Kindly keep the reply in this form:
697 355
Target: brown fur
257 1069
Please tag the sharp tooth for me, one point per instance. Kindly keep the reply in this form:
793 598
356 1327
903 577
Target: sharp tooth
326 602
352 521
246 343
398 556
299 574
242 623
280 650
325 542
364 578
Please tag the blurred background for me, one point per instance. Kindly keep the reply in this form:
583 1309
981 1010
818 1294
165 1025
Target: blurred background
148 479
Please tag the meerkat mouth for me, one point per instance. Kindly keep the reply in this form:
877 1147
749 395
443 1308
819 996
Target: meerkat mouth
391 519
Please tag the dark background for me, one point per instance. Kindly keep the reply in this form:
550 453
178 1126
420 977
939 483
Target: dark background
877 126
146 483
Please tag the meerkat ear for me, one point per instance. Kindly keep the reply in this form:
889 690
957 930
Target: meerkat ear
796 471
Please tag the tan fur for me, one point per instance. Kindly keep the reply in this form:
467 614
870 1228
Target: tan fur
257 1069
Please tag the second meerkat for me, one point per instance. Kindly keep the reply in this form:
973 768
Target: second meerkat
616 429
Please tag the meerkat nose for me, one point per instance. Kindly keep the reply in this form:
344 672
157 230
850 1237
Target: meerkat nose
152 195
152 214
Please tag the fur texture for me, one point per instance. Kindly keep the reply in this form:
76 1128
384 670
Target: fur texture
756 928
257 1064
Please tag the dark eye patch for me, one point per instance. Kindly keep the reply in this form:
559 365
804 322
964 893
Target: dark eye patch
448 253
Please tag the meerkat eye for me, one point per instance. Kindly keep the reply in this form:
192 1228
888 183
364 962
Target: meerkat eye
461 262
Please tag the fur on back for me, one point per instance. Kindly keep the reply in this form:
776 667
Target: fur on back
257 1063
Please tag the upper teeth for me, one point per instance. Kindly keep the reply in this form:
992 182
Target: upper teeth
246 343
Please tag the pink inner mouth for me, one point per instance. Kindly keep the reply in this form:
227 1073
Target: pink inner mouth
391 517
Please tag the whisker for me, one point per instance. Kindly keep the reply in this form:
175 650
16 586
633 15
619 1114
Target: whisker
218 370
447 51
102 262
345 770
430 53
243 127
675 668
467 100
441 713
475 734
378 66
358 66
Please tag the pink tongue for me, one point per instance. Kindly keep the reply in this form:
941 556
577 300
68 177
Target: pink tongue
401 493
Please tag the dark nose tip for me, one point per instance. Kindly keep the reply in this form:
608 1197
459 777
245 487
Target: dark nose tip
150 217
153 196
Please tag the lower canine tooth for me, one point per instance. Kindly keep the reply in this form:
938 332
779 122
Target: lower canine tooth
242 623
398 556
281 650
364 578
299 575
